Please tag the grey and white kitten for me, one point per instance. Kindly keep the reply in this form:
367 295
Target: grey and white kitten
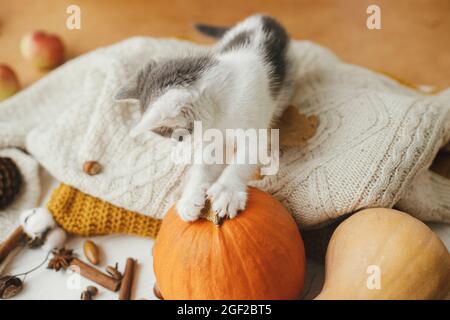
244 82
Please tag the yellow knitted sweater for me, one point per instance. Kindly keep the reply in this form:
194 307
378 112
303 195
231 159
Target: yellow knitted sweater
84 215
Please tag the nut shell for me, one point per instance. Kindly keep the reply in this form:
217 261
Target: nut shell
10 286
86 295
91 252
93 290
92 168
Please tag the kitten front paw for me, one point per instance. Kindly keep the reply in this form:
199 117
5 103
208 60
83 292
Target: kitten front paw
227 200
190 206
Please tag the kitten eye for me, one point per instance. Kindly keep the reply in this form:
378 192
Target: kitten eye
180 138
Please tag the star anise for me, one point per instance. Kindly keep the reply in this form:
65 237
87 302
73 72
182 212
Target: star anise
114 272
61 259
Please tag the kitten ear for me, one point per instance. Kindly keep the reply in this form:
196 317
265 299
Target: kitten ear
173 109
133 89
147 122
128 92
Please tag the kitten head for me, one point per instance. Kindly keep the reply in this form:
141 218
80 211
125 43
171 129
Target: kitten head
166 94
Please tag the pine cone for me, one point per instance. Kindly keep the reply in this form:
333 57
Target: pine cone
10 181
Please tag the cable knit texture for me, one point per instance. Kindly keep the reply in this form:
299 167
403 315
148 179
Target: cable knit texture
84 215
375 141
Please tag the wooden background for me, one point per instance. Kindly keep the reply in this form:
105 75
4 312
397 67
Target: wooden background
414 43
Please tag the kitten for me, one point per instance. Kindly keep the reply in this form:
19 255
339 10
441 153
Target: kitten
246 81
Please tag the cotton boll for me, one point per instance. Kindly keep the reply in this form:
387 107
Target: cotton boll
55 239
25 215
37 221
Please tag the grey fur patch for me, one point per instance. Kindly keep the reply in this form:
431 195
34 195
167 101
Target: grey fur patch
241 40
275 49
156 78
134 87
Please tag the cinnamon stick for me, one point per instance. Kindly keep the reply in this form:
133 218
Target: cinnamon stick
127 280
94 274
11 243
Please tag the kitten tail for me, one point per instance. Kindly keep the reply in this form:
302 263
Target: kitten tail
211 31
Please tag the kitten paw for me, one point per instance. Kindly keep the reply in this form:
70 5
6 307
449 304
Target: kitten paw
190 206
227 200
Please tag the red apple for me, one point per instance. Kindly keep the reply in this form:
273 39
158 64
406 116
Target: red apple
9 84
43 50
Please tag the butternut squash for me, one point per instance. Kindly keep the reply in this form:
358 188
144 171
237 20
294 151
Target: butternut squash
385 254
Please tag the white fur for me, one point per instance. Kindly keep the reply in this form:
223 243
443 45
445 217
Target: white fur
238 96
234 94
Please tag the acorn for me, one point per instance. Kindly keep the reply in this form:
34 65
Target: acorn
10 181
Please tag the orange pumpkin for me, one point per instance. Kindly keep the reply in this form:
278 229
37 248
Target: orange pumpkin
257 255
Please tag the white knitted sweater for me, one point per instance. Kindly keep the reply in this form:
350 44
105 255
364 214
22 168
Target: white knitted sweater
374 144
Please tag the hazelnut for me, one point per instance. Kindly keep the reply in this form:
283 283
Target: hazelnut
92 168
86 295
92 290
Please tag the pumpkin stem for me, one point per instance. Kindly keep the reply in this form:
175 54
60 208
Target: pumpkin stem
210 215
